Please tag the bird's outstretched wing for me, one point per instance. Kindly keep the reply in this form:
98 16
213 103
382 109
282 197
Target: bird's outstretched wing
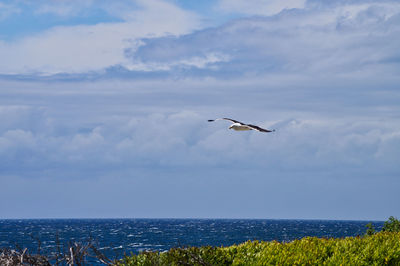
234 121
259 128
243 124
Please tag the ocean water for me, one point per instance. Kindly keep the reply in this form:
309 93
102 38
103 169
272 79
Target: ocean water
114 237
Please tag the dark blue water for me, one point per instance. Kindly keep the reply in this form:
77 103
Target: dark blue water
114 237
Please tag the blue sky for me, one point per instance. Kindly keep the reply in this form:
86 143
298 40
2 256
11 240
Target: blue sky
104 108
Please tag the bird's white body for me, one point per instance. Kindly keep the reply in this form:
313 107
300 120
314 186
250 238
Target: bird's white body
239 127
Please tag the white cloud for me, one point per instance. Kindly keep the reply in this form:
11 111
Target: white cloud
259 7
347 40
184 138
85 48
203 61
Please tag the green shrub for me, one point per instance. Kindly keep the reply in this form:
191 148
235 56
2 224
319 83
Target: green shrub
382 248
370 229
392 225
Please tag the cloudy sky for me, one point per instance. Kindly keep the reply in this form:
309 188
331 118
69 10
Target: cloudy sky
104 108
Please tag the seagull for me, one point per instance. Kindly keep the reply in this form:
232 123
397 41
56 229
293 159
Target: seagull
239 126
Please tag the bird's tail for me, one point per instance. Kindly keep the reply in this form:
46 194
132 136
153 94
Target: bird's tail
210 120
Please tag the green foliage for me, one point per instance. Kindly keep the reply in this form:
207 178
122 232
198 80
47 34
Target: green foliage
182 256
381 248
392 225
370 229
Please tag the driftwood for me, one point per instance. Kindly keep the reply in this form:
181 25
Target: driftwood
77 255
10 257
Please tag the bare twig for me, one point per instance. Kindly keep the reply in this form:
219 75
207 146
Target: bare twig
22 256
71 260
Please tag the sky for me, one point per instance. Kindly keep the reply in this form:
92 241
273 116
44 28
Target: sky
104 108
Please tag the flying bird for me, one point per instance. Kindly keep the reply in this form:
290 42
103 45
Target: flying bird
239 126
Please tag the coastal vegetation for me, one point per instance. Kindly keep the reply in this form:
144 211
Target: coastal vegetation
374 248
382 248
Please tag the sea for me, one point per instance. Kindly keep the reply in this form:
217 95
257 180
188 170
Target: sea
117 237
